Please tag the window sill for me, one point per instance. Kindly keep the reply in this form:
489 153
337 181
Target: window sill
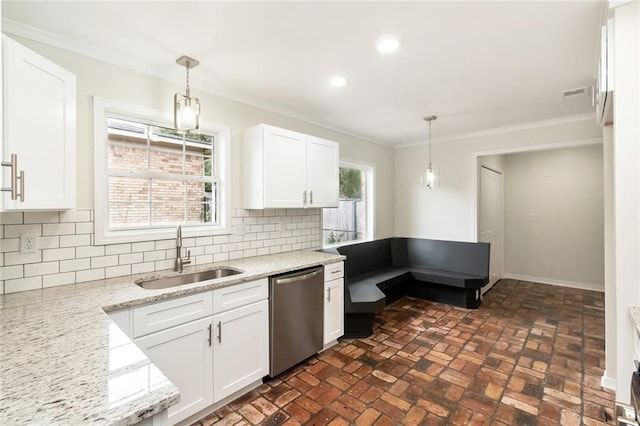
133 236
346 243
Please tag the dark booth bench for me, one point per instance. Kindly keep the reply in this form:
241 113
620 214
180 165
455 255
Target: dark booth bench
380 272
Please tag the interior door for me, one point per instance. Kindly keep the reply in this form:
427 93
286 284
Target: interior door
490 221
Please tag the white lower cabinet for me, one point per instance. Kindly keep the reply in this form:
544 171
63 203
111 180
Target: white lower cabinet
240 348
185 355
333 303
333 310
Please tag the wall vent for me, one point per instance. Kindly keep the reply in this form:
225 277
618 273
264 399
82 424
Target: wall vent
577 93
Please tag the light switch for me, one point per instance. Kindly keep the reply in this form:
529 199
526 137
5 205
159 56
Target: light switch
532 217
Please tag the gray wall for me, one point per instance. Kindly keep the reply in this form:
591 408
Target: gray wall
564 190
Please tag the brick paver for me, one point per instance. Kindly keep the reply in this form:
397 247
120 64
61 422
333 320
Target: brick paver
532 354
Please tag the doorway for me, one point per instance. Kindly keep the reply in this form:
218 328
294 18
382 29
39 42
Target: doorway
490 221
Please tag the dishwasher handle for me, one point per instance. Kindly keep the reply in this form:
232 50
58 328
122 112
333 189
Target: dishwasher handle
295 278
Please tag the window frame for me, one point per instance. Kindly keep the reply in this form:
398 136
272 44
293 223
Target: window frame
370 171
222 164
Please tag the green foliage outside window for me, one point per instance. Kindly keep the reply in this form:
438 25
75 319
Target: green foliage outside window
350 183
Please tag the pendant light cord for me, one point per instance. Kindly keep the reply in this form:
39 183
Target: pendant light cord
188 95
429 144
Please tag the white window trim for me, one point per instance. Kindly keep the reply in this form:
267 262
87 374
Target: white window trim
370 170
223 165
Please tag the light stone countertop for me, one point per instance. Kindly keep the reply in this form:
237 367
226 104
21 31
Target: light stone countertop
62 360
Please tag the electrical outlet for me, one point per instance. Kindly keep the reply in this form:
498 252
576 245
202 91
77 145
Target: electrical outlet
28 243
532 217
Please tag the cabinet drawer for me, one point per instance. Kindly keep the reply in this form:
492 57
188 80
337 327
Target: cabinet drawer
333 271
161 315
241 294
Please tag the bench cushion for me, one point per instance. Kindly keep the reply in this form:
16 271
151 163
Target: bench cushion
365 290
373 267
456 279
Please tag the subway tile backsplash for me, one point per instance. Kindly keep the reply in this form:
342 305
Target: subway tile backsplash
66 254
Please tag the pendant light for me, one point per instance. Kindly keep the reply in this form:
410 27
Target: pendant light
186 109
429 177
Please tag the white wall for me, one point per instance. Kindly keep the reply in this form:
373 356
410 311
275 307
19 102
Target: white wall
96 78
626 133
67 252
611 338
449 211
563 189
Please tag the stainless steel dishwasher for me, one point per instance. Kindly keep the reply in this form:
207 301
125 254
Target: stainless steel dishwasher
297 314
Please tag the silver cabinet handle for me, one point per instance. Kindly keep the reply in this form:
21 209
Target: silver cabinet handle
15 177
209 339
21 194
329 294
304 198
311 197
219 331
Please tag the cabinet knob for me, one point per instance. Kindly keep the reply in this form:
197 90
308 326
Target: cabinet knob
311 197
304 198
329 294
219 331
209 339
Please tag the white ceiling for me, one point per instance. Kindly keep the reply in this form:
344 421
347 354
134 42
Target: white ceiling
476 65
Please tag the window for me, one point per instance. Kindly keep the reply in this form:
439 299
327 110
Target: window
150 178
353 219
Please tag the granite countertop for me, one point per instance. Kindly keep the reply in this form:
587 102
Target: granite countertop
62 360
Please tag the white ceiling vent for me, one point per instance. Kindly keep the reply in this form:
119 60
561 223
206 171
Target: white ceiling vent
575 94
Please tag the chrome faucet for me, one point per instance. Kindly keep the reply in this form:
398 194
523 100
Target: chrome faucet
180 261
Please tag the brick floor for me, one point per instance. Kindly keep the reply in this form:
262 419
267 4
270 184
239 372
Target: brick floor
533 354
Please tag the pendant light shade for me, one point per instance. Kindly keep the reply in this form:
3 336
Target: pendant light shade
186 109
429 176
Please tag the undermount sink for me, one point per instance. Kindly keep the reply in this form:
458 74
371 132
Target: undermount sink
160 283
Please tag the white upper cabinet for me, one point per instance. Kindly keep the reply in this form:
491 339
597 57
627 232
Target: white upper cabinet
322 172
604 95
39 129
286 169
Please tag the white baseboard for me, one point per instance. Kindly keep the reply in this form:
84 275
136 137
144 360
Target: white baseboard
541 280
607 382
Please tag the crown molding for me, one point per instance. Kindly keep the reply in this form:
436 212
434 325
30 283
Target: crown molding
505 129
133 63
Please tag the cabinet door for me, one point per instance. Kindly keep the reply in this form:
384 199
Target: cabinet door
184 355
39 126
322 172
240 348
284 168
333 310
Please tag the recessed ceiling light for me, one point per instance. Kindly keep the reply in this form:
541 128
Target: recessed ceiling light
338 81
388 44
